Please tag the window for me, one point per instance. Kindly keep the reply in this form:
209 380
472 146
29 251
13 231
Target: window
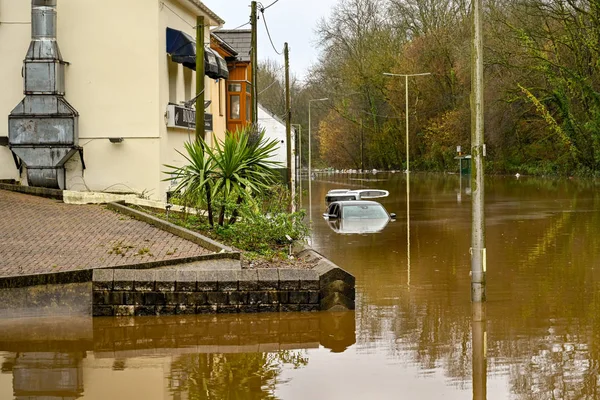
221 96
235 87
234 103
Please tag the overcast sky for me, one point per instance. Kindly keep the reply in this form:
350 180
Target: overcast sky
292 21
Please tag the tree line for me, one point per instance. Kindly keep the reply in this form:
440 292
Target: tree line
542 85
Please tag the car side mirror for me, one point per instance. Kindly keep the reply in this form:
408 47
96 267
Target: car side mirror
393 215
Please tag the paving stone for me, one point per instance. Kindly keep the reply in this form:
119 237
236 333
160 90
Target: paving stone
289 279
289 307
166 310
227 309
237 298
207 280
175 298
211 309
228 280
144 280
183 309
299 297
248 280
102 311
268 308
102 279
309 279
140 311
186 281
196 298
154 299
116 298
123 279
258 297
133 298
165 280
70 238
100 298
215 298
248 308
124 311
268 278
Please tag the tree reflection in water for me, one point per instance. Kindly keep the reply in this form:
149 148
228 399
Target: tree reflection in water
231 376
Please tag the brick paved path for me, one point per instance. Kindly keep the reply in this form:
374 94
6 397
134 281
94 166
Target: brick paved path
39 235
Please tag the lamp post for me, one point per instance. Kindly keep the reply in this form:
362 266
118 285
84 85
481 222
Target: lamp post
407 171
309 158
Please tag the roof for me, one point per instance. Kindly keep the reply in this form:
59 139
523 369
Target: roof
239 39
223 45
207 11
270 114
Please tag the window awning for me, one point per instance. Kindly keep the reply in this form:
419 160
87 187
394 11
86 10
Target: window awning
182 48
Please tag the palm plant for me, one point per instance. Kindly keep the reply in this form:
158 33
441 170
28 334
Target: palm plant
238 168
242 168
195 179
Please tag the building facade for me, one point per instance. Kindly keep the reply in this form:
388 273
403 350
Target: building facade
122 84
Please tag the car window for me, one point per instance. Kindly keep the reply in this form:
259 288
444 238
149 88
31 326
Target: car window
364 211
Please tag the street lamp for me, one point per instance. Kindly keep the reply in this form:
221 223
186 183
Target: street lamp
407 173
310 156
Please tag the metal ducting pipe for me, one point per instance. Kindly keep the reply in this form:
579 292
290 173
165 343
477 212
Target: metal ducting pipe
43 127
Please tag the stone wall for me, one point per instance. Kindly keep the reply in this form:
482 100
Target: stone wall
128 292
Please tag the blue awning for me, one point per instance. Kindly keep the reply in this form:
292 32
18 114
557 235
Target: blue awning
182 48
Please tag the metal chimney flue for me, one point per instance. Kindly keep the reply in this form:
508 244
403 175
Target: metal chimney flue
43 127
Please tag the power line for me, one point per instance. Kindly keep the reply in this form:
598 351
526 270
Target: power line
241 26
180 17
267 88
264 8
269 33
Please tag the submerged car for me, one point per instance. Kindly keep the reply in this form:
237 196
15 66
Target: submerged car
360 194
357 216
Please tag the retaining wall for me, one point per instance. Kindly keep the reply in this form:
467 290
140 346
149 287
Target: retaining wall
127 292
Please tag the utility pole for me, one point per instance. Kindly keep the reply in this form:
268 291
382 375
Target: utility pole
479 350
254 62
199 78
288 116
478 252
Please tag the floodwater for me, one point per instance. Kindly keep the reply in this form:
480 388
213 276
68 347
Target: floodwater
414 333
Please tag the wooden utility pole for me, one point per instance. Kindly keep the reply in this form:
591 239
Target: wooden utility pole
199 78
288 116
254 62
478 252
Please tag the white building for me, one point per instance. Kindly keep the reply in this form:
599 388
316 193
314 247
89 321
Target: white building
275 129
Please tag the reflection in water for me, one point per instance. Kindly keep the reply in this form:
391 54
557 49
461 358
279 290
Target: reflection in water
479 350
210 357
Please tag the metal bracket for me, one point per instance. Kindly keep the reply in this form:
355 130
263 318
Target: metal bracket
18 162
80 150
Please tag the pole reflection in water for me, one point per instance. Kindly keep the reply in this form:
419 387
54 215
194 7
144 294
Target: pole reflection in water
408 229
479 349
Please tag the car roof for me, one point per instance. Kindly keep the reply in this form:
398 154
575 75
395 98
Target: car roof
356 203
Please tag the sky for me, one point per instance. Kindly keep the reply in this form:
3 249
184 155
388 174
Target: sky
292 21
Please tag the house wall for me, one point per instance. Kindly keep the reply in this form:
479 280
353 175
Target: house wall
118 80
179 16
15 35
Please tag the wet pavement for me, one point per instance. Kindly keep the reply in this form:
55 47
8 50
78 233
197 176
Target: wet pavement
41 236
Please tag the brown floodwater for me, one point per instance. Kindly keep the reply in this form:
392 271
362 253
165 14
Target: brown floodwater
414 333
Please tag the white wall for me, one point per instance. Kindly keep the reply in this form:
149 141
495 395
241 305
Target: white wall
118 81
15 35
